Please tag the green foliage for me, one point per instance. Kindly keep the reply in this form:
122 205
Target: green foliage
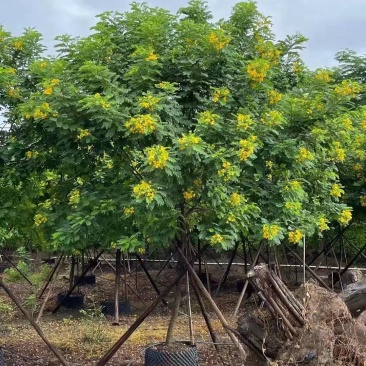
12 275
161 125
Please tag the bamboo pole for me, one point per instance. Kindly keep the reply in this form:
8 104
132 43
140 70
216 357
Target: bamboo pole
116 287
34 324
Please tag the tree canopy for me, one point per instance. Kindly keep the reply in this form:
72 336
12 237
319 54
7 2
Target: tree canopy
162 126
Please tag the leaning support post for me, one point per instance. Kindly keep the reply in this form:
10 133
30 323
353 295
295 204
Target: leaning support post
241 297
103 361
345 269
15 267
75 284
50 275
34 324
227 270
203 290
153 284
205 316
308 268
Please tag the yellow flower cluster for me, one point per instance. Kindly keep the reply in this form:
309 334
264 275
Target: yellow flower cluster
144 190
257 70
221 95
48 91
269 164
294 185
244 121
272 118
336 190
348 89
143 124
270 232
347 123
246 149
18 45
74 197
357 167
40 112
148 102
228 172
102 101
231 218
43 64
297 67
218 39
31 154
363 201
39 219
189 195
294 206
216 239
83 133
338 153
207 118
295 236
304 154
345 217
14 92
235 199
274 97
152 56
363 122
128 211
167 86
157 156
323 224
323 75
268 50
187 141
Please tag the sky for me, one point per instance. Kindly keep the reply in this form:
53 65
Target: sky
330 25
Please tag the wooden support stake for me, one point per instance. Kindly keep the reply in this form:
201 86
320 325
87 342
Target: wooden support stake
75 284
15 267
50 275
205 293
241 297
308 268
34 324
103 361
224 276
153 284
205 316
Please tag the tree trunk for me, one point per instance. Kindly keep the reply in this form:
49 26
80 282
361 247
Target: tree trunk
116 287
175 312
72 272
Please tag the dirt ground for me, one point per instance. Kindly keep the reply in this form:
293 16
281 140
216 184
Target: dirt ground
84 338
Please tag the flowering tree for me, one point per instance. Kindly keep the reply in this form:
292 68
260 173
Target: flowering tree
158 126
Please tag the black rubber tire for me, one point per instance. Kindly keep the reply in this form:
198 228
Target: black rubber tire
86 280
124 307
160 357
73 301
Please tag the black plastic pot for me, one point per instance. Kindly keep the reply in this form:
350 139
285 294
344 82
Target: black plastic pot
86 280
162 356
73 301
124 307
49 260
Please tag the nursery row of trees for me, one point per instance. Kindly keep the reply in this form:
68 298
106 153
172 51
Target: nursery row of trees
161 127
